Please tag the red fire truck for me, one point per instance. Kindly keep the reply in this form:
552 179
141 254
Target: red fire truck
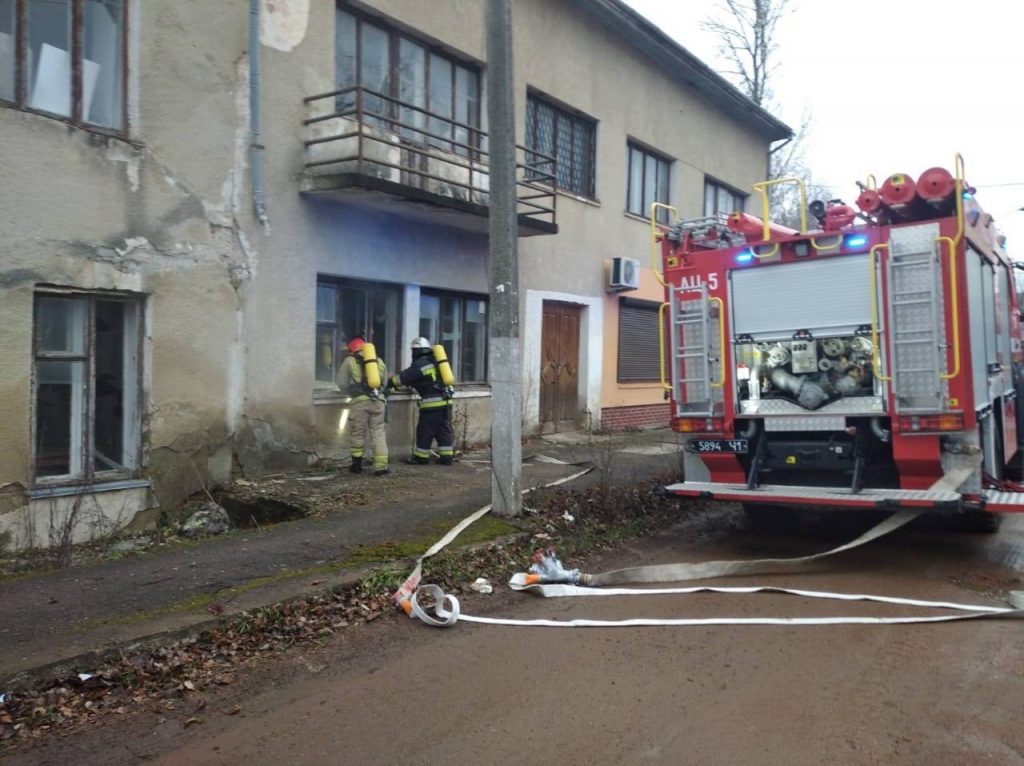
873 361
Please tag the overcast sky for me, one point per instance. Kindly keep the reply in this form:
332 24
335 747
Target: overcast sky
895 86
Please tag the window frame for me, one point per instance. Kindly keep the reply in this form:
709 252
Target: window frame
649 306
662 162
77 54
89 475
339 284
462 297
719 186
574 117
393 111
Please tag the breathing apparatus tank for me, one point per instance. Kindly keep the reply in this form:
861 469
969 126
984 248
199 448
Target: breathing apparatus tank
444 369
370 367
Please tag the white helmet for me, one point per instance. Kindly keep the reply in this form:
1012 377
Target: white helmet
420 342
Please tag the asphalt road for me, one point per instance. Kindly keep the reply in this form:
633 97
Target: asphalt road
397 692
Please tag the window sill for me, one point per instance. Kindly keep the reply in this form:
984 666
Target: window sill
96 132
327 396
644 221
66 490
578 197
638 384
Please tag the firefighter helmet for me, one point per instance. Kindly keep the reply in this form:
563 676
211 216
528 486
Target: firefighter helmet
355 344
420 342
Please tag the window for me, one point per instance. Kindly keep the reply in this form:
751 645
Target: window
65 58
648 182
568 137
459 323
407 80
345 309
87 386
721 199
639 360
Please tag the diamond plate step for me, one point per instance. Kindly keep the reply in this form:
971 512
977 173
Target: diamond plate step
837 496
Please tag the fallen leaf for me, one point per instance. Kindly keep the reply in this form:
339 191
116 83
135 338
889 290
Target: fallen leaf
233 711
191 721
215 609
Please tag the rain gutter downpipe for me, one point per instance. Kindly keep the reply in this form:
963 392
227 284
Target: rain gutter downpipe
255 147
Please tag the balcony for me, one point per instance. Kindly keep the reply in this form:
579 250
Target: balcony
376 151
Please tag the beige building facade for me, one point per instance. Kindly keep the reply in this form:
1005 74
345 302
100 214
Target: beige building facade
177 279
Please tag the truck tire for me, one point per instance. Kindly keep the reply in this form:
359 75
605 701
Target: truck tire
980 522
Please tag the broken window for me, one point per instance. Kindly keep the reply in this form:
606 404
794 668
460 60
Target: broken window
87 386
459 323
65 58
345 309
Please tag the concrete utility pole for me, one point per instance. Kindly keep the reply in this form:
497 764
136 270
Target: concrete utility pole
506 393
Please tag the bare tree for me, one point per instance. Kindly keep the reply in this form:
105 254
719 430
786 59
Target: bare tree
746 32
746 38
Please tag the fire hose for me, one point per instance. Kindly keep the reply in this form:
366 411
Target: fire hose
547 577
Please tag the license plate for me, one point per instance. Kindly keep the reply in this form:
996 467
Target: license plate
735 446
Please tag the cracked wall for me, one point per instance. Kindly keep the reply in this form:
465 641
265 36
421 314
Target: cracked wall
162 215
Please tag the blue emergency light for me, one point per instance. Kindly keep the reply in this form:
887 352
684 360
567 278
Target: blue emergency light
855 241
744 256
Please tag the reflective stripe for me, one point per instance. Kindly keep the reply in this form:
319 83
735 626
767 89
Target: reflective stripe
433 404
356 452
421 452
380 461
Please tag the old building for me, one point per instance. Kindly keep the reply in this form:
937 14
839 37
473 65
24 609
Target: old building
189 233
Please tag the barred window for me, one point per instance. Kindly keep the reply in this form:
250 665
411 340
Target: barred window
639 360
569 138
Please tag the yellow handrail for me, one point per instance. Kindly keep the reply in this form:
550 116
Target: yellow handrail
721 339
875 357
954 308
661 344
655 206
959 165
761 187
833 246
871 182
761 256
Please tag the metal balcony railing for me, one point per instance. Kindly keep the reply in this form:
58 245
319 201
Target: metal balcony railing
357 133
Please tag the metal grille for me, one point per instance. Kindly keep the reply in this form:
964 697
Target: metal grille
568 137
915 305
696 353
638 341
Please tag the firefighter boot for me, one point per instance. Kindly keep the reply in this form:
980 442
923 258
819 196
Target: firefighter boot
445 460
417 460
357 465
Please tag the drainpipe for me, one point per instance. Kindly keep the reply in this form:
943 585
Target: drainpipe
255 147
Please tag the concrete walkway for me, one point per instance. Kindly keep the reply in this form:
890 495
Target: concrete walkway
67 619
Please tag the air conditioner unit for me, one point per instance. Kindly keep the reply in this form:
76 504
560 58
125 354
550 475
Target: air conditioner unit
625 274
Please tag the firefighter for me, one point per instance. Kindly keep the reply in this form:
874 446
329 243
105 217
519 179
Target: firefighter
366 411
435 405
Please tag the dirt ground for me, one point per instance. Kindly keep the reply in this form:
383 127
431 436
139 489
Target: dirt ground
397 692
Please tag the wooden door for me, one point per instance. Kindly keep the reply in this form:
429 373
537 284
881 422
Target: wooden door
559 367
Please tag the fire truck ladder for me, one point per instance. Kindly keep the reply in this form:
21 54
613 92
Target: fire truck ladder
692 349
917 336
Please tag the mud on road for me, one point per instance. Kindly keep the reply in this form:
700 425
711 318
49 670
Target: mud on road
397 692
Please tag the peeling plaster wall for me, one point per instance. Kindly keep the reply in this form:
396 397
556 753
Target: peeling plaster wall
162 215
230 310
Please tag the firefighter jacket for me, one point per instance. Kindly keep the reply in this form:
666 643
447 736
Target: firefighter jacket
423 377
350 377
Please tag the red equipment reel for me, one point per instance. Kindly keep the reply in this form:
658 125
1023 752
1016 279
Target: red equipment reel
898 190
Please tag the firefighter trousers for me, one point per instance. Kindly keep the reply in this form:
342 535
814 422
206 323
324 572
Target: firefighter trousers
367 419
435 424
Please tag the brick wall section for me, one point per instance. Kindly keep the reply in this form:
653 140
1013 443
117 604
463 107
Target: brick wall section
638 416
